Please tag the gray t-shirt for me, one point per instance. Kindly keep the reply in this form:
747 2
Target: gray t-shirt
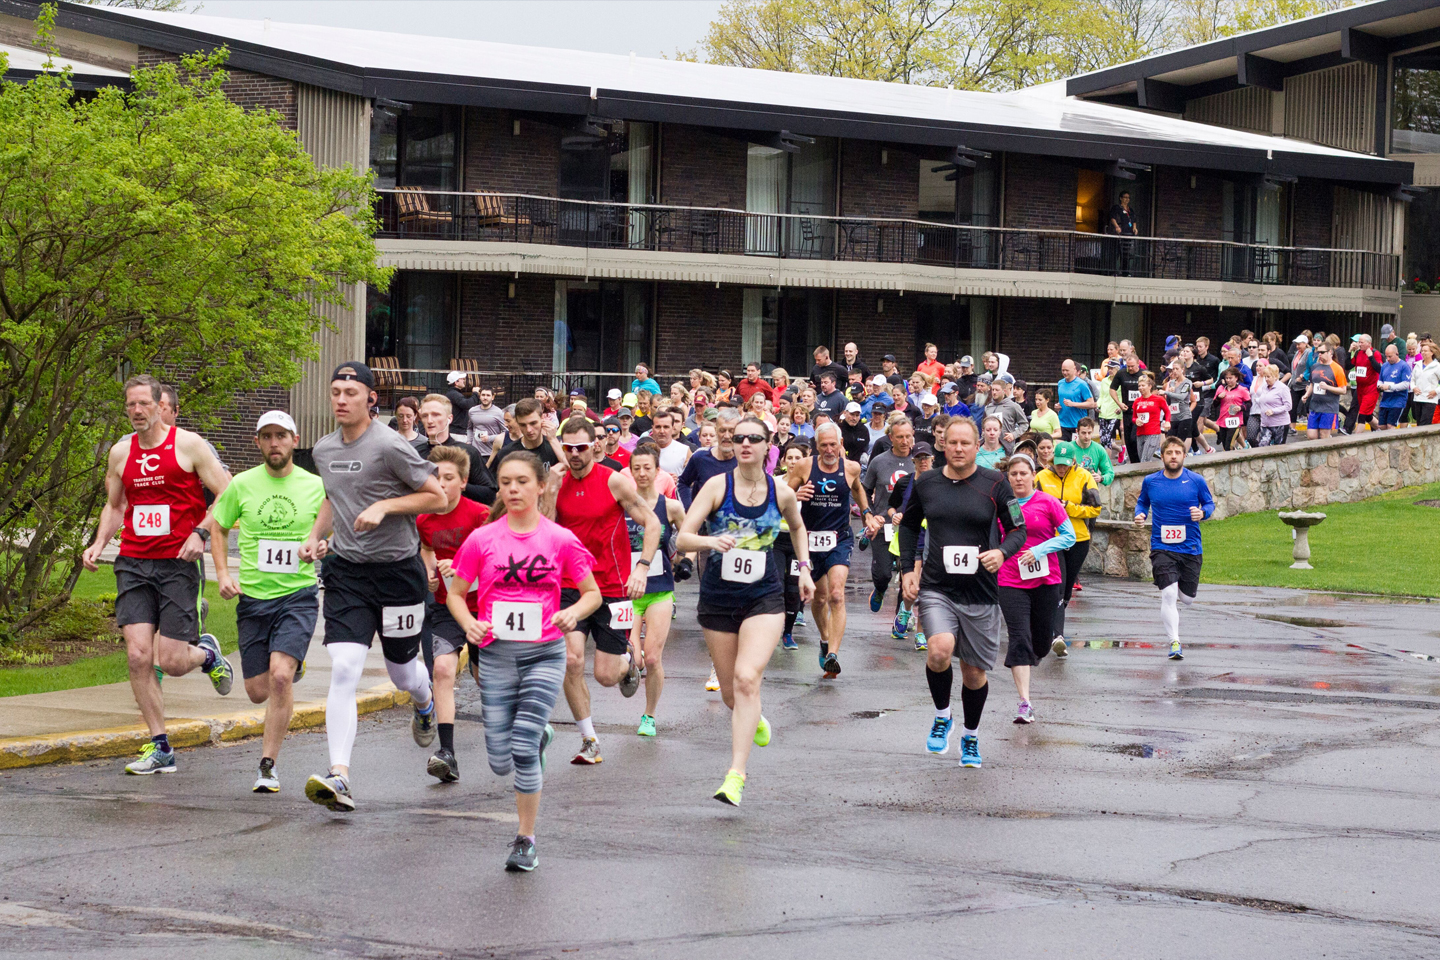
379 465
490 422
883 470
1178 396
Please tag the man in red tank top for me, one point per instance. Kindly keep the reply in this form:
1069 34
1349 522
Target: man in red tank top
591 501
153 484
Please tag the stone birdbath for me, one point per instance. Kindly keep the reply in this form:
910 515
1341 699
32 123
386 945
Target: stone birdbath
1302 522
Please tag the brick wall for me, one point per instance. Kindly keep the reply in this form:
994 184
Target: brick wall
505 334
496 159
1312 214
243 87
1185 212
1037 334
701 169
870 189
877 334
1039 192
698 324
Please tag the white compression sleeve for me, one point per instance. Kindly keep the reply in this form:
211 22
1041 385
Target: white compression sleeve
1169 613
412 678
347 663
1186 599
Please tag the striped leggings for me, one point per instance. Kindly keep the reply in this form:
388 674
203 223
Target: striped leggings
519 683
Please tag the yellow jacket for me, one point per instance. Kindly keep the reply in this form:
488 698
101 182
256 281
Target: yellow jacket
1069 492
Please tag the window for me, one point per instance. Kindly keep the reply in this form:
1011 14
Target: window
800 182
781 329
616 167
1415 118
603 325
1096 324
415 147
414 322
958 326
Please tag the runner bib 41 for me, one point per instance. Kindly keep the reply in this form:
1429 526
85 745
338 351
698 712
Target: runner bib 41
511 620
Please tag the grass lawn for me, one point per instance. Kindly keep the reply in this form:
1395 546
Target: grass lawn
1382 545
109 668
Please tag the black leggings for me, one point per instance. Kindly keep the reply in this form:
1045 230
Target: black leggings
1424 413
1029 617
793 606
1073 560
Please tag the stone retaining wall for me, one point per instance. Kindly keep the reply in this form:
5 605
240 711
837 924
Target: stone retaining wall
1290 477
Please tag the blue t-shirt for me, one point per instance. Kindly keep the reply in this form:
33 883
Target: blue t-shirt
1397 372
699 469
647 384
1168 503
1078 391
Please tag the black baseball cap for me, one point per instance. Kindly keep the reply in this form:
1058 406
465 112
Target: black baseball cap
354 370
889 356
922 449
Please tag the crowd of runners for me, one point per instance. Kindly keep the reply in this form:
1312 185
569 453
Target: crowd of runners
510 539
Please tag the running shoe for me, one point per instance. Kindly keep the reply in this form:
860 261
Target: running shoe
1059 647
331 790
877 600
152 760
267 782
902 625
800 618
422 724
863 543
647 725
299 672
832 666
939 740
222 675
589 752
823 653
443 766
788 642
1175 652
714 682
631 681
731 789
522 857
969 750
546 735
920 642
1078 588
1023 713
762 732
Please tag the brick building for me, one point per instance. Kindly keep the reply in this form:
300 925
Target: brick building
552 214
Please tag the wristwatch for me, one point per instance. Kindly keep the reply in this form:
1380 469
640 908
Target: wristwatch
203 534
644 561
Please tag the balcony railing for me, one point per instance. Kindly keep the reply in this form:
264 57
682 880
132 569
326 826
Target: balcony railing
411 213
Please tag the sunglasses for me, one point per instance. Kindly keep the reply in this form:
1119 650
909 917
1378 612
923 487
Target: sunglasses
612 429
751 438
575 447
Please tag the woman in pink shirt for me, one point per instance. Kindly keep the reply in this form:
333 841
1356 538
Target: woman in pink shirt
1031 581
517 561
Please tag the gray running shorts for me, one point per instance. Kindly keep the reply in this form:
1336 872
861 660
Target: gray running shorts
975 626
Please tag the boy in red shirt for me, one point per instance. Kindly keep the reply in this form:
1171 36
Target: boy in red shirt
441 534
1152 418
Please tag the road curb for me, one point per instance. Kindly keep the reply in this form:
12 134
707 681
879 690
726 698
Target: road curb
78 745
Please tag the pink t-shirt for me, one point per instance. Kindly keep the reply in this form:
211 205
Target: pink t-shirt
1043 516
521 571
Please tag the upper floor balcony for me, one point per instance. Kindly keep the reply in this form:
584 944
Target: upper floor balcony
427 229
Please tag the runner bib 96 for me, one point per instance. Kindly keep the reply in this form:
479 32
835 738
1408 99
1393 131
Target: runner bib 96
743 566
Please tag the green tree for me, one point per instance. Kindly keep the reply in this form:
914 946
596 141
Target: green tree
161 230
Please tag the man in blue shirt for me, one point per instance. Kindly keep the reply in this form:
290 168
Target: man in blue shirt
1073 398
1394 389
1174 500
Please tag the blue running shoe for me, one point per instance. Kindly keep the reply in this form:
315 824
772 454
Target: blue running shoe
800 618
920 642
877 600
1175 652
969 750
788 642
902 625
824 652
939 740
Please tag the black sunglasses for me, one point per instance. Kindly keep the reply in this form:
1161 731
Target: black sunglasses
751 438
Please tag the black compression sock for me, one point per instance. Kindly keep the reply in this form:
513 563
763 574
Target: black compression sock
972 703
162 742
940 684
447 736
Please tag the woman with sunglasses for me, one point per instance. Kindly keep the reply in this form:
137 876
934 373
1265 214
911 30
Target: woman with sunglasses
742 596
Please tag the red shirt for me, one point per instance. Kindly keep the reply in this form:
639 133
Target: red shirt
587 508
1148 413
621 456
163 501
443 533
746 389
934 368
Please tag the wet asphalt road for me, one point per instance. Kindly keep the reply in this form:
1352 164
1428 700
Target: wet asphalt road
1272 796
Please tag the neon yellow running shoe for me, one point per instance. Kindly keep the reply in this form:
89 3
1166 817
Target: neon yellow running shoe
762 732
731 789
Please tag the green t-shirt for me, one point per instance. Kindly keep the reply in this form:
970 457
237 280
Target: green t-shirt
1108 409
275 517
1095 459
1047 422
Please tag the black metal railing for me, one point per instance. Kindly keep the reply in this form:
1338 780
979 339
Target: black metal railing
511 386
407 213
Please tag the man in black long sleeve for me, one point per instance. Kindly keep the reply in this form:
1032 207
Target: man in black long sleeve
954 582
462 397
435 414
